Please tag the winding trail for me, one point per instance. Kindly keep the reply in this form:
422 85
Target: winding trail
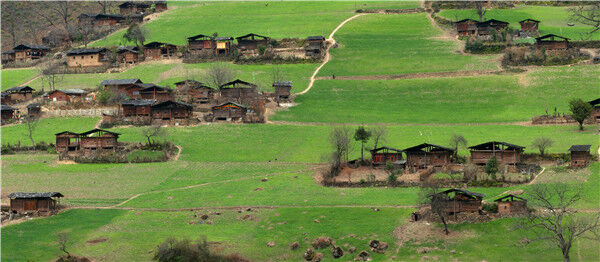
332 42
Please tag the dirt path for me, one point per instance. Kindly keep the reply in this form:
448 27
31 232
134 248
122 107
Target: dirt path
327 56
415 75
536 176
178 153
522 123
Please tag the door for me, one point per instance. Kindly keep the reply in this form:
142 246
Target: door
29 205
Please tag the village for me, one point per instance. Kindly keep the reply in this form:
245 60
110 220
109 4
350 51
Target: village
401 132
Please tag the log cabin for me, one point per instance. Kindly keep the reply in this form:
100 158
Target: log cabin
511 204
159 50
133 7
171 112
87 57
40 203
8 112
195 92
238 90
486 27
34 109
201 44
383 155
456 201
315 46
552 42
67 142
505 153
229 111
137 107
8 57
158 93
426 155
67 95
529 27
282 90
98 139
160 6
580 155
128 87
17 94
466 27
128 54
250 43
24 53
596 110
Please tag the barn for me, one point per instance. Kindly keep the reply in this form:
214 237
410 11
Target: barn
282 90
108 20
158 93
201 44
98 139
251 42
505 153
529 27
133 7
229 111
67 141
40 203
511 204
159 50
86 57
552 42
67 95
17 94
456 201
383 155
195 92
315 46
426 155
25 52
128 54
128 87
8 112
137 107
485 28
596 110
171 112
238 90
580 155
466 27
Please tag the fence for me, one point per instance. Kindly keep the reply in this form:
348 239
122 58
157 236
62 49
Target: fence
82 112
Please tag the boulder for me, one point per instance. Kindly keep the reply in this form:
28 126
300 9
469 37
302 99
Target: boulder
271 244
295 245
322 242
352 249
337 252
309 255
363 256
318 257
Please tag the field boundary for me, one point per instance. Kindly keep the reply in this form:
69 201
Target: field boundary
415 75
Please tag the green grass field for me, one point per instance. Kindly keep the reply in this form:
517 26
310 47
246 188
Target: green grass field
554 20
15 77
393 44
275 19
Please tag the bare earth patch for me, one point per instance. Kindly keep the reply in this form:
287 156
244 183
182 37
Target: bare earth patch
426 232
96 240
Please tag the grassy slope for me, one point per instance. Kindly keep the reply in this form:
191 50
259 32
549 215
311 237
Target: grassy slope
15 77
494 98
553 19
392 44
276 20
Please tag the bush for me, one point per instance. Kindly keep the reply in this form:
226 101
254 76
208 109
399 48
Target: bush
392 178
172 250
490 207
491 167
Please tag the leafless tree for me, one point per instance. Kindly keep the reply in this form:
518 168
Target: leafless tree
481 10
31 122
12 13
378 135
106 6
219 74
588 14
555 219
84 30
341 141
58 11
63 240
153 132
430 194
278 74
542 143
50 74
457 140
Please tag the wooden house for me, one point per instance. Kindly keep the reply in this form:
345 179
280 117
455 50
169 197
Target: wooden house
137 107
485 28
8 112
129 87
223 45
552 42
17 94
86 57
456 201
160 6
282 90
529 27
133 7
67 95
315 46
67 142
596 110
238 90
86 18
98 139
109 20
8 57
505 153
158 93
195 92
511 204
171 112
40 203
426 155
201 44
580 155
229 111
251 42
383 155
24 53
158 50
466 27
34 109
128 54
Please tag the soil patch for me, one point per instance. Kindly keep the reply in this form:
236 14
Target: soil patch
96 240
426 232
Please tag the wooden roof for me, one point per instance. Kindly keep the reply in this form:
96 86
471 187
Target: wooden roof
120 81
252 36
495 145
426 147
464 192
34 195
512 197
386 148
580 148
196 37
236 83
229 103
98 131
19 89
26 46
551 36
529 20
172 104
84 51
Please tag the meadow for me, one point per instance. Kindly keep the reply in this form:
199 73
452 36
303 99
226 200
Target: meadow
553 20
398 44
287 19
15 77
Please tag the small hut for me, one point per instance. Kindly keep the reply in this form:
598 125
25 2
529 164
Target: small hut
128 87
40 203
137 107
8 112
8 57
194 91
86 57
552 42
18 94
459 200
158 93
529 27
160 6
67 141
159 50
238 90
128 54
485 28
505 153
229 111
34 109
511 204
25 53
67 95
200 43
580 155
282 90
223 45
426 155
133 7
382 155
596 110
108 20
251 42
98 139
171 112
466 27
315 46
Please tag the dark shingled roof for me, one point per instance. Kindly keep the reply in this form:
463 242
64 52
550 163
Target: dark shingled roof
315 37
132 49
172 104
233 103
493 21
199 36
5 107
67 133
550 36
529 20
112 16
283 83
138 102
25 46
466 192
83 51
595 102
424 145
494 144
9 52
71 91
34 195
237 82
33 105
18 89
188 81
134 3
578 148
511 196
466 20
388 148
251 35
223 38
97 130
121 81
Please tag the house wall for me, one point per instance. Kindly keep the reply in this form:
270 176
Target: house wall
232 112
466 28
154 53
84 60
596 114
382 158
28 205
529 27
580 159
7 114
553 45
436 159
127 57
158 96
19 97
503 156
160 7
95 143
59 96
239 93
131 110
282 91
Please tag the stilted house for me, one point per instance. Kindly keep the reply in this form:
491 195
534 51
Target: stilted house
17 94
171 112
383 155
505 153
251 42
159 50
529 27
67 142
223 45
511 204
195 92
158 93
8 112
128 54
34 109
229 111
67 95
552 42
87 57
596 110
137 107
486 27
466 27
133 7
98 139
201 44
282 90
456 201
24 53
238 90
8 57
426 155
41 203
160 6
580 155
129 87
315 46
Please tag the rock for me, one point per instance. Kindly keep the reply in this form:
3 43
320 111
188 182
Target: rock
309 255
376 209
322 242
337 252
208 222
218 213
264 180
318 257
363 256
317 221
191 222
259 189
452 251
271 244
423 250
249 210
295 245
352 249
204 217
378 246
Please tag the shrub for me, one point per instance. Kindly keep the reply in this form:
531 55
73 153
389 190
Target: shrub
491 167
392 178
185 250
490 207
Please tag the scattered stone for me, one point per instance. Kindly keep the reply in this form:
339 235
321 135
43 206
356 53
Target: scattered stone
452 251
337 252
352 249
271 244
423 250
249 210
309 255
317 221
209 222
217 213
170 197
295 176
378 246
318 257
204 217
138 213
363 256
376 209
322 242
264 180
346 245
191 222
259 189
229 196
269 228
239 211
295 245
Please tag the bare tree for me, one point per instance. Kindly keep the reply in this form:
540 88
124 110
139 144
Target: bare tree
50 74
555 220
379 135
153 132
431 194
106 6
542 143
57 11
457 140
588 14
84 31
481 10
12 13
31 122
63 240
341 141
219 74
278 74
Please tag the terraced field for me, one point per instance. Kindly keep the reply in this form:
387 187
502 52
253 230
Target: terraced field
15 77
